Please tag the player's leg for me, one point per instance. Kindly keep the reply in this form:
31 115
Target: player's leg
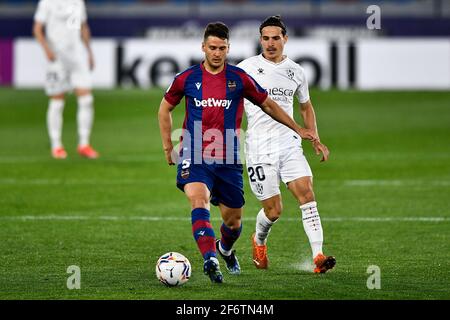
81 78
228 194
265 184
85 120
198 195
296 173
230 231
302 189
56 84
202 230
266 217
55 125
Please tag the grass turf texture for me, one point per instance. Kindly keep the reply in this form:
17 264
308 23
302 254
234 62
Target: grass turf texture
390 161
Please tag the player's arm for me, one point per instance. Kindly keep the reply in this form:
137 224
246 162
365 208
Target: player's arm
165 128
39 34
274 110
309 120
86 37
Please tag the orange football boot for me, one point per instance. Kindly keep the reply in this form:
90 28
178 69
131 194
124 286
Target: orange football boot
323 263
59 153
88 152
259 254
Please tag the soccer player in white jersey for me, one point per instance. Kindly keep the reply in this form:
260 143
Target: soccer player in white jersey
60 27
274 152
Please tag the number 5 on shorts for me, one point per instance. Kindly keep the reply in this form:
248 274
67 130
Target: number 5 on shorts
186 163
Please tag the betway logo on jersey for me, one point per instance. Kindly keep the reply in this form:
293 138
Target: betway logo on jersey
212 102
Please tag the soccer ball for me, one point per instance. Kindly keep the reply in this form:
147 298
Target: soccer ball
173 269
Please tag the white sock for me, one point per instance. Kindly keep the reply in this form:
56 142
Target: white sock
85 118
214 259
55 122
263 226
312 226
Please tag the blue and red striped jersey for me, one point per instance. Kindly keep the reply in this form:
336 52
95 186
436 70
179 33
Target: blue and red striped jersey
214 109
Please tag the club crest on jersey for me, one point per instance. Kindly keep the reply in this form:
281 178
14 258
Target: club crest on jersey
231 85
290 74
198 85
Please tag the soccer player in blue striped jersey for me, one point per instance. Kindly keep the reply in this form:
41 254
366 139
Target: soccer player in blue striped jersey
208 165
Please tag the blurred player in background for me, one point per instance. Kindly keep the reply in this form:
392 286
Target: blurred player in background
60 27
209 169
274 152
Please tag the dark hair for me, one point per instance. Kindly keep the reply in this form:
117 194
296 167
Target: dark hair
216 29
273 21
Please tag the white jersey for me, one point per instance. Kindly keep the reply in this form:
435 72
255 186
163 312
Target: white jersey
62 20
283 81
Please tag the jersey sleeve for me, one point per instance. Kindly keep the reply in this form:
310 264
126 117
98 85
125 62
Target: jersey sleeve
253 91
41 13
175 92
302 90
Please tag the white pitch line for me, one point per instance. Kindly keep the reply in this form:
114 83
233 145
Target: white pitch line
172 218
74 182
394 183
152 181
105 159
152 157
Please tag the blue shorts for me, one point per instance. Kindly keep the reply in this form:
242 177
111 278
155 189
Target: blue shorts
224 181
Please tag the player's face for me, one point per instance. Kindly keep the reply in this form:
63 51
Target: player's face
272 43
216 51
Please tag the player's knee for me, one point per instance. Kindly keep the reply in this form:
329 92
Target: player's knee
273 212
232 218
83 92
199 203
233 223
307 196
57 97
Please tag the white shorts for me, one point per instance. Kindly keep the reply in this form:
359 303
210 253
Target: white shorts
63 75
266 171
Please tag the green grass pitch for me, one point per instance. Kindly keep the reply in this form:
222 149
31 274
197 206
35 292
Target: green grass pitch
383 197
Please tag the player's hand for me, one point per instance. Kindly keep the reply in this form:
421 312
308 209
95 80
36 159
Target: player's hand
50 55
308 134
321 148
170 156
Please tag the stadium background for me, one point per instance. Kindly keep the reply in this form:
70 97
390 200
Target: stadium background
382 100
